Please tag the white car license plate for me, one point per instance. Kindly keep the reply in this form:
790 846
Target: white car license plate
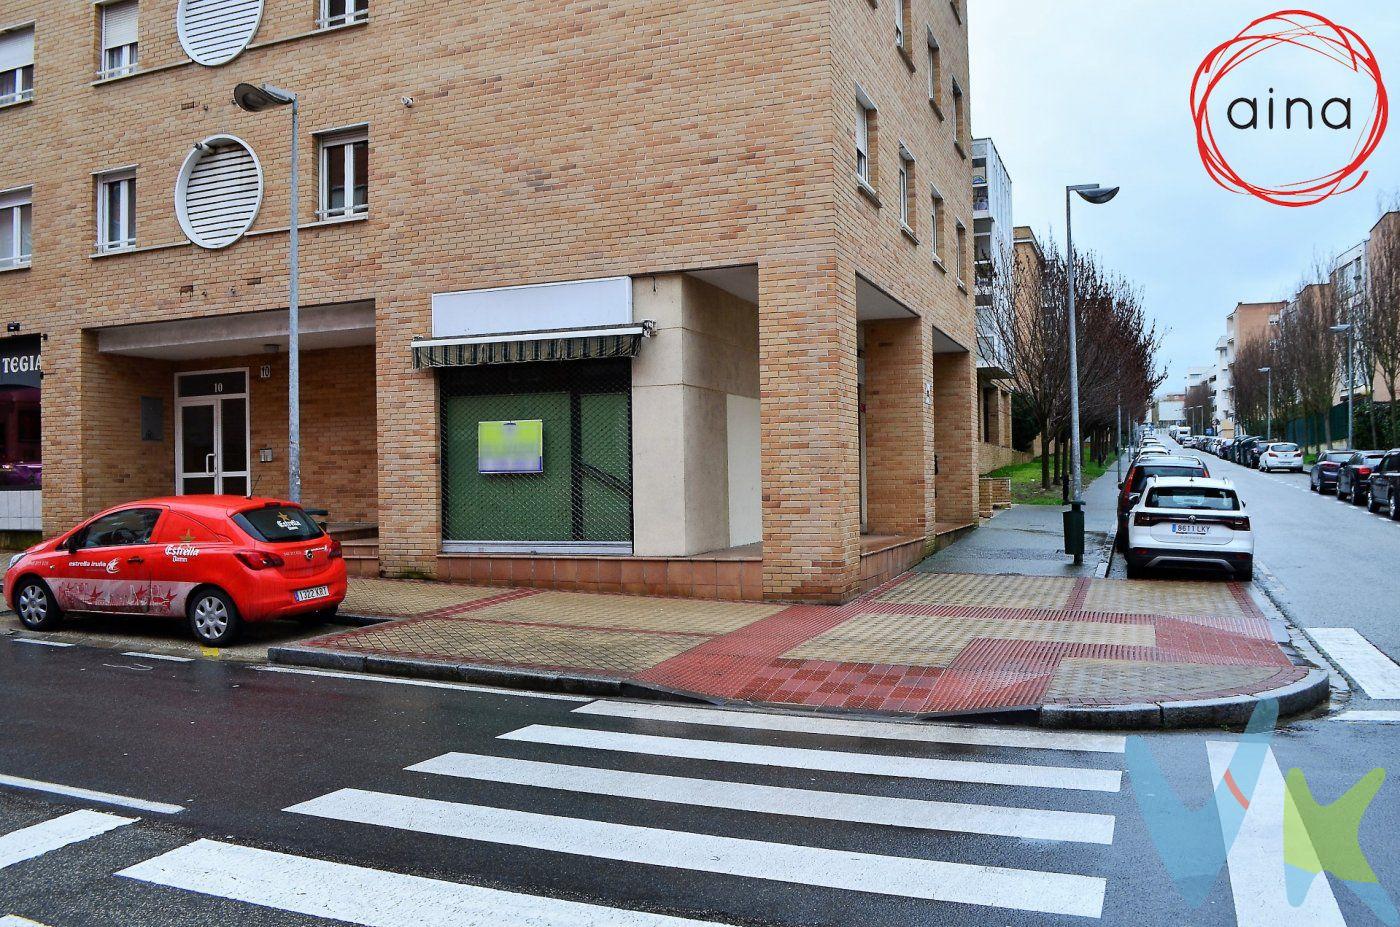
315 592
1190 529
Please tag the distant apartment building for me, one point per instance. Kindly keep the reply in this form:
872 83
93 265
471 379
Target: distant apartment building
630 297
1246 322
993 245
1169 409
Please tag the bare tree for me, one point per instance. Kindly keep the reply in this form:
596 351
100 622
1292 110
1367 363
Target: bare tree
1381 330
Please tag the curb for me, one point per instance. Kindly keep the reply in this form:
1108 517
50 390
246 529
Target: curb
1229 711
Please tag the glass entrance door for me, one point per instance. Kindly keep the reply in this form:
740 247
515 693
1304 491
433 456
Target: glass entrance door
211 433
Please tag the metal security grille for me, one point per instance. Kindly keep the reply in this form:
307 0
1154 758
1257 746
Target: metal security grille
581 500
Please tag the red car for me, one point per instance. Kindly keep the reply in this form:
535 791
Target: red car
216 561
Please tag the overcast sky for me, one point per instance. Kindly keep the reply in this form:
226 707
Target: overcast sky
1098 91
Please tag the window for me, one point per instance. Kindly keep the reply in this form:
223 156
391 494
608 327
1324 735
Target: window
901 20
935 231
865 139
935 74
959 129
20 427
343 12
906 188
344 174
118 39
962 254
278 524
1193 498
16 65
119 529
116 210
15 228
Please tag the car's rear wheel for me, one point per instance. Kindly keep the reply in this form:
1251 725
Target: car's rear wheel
36 606
214 619
1372 505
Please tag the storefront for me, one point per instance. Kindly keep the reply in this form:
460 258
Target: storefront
21 468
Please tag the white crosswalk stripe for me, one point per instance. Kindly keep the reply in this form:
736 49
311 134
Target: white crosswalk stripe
1022 738
373 897
1375 672
1049 892
988 773
1026 823
37 839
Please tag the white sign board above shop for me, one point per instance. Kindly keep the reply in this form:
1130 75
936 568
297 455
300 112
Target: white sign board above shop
543 307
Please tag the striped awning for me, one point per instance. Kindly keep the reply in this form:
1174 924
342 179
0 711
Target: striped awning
609 341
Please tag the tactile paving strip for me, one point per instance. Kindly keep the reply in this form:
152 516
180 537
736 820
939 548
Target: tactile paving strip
994 591
391 597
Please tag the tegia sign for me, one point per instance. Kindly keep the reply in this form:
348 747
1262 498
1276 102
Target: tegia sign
19 362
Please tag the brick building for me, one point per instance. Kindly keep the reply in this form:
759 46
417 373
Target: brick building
636 295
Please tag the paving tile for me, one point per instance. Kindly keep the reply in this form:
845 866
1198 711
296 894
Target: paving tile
966 589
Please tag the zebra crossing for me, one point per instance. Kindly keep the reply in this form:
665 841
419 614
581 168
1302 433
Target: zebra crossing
763 797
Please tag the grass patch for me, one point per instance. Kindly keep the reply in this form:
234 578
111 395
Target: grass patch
1025 482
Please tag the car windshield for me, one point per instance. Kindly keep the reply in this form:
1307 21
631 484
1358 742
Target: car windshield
1202 498
1284 448
1144 473
278 524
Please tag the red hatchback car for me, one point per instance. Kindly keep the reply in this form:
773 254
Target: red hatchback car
217 561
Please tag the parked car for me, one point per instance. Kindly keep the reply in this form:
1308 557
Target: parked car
1280 455
216 561
1385 486
1322 478
1240 452
1143 470
1189 523
1354 476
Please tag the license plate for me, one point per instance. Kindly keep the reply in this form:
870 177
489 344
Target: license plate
315 592
1190 529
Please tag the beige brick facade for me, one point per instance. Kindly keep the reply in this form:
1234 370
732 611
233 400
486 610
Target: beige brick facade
544 142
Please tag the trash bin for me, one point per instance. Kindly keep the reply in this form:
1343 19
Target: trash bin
1074 532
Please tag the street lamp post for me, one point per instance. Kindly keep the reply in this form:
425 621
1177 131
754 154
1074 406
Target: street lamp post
1074 519
1269 430
255 99
1346 328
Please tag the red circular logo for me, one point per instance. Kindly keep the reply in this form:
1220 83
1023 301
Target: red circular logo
1288 29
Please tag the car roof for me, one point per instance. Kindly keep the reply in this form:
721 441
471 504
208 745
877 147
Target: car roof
1200 482
208 505
1172 461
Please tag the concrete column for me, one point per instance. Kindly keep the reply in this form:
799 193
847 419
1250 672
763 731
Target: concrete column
957 434
898 428
809 428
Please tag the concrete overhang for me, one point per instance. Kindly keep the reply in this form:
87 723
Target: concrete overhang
337 325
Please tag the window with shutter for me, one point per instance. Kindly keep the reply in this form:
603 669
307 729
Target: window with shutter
219 191
118 39
17 65
213 32
15 228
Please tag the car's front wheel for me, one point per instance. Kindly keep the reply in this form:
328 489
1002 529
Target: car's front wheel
1394 509
214 619
1372 505
36 606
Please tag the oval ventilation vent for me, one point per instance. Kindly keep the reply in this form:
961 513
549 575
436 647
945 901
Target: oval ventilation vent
219 191
215 31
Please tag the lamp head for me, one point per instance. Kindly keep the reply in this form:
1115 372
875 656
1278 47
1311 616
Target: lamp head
1341 329
1096 194
1265 369
254 99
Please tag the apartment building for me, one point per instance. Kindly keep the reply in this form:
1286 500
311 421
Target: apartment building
632 296
993 250
1245 323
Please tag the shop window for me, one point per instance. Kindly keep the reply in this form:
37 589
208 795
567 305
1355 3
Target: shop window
343 12
344 174
116 210
16 225
20 466
119 44
16 65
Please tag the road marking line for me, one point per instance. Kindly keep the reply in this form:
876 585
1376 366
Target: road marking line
157 656
1026 823
1256 857
844 727
104 798
47 836
1048 892
424 683
1377 717
908 767
14 920
32 640
1372 670
373 897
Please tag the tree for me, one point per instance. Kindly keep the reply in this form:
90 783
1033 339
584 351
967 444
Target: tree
1382 322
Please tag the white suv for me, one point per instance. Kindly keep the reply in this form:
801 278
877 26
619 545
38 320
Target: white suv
1281 456
1184 522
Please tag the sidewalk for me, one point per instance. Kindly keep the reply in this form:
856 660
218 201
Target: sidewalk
1132 653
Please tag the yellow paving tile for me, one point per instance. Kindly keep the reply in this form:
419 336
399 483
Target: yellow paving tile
1124 680
993 591
922 641
1162 597
466 641
407 597
620 611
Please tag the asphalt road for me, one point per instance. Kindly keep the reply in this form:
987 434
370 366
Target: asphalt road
268 797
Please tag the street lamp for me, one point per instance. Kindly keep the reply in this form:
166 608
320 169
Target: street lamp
255 99
1269 431
1346 328
1074 518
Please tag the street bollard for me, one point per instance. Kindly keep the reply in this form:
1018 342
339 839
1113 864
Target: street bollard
1074 532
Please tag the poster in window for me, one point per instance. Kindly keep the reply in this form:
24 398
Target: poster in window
510 447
